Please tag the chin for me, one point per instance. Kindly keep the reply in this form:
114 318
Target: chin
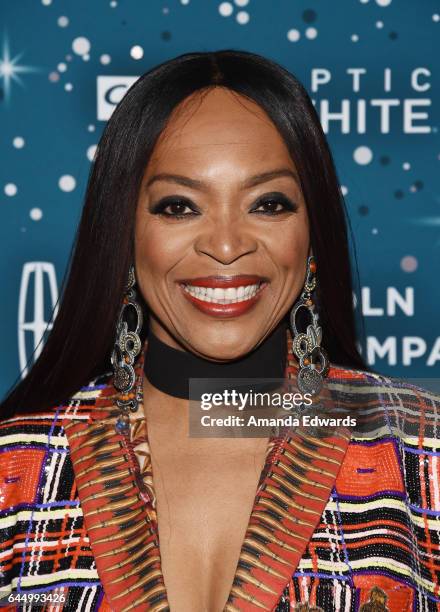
221 348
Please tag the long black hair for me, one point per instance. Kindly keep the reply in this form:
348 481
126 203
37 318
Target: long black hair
79 346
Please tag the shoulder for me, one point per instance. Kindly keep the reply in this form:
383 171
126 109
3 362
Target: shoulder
383 385
390 405
392 460
28 430
34 453
30 425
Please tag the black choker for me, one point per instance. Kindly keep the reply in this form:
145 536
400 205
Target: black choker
169 369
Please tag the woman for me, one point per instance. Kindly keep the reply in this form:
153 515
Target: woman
213 213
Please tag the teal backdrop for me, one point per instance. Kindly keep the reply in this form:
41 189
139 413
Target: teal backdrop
371 68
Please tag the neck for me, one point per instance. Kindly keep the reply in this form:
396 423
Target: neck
170 370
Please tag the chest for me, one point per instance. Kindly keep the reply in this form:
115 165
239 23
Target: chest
203 503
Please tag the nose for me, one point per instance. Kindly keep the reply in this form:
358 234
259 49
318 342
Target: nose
226 241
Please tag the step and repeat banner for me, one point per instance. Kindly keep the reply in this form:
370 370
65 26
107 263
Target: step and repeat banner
371 68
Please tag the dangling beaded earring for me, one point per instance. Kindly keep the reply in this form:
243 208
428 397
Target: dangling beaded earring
313 360
127 346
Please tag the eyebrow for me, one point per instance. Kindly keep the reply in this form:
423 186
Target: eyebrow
257 179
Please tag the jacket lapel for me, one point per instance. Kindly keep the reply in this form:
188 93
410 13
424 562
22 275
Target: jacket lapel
301 472
118 512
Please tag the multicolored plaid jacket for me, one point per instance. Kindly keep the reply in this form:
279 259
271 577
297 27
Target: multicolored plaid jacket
345 522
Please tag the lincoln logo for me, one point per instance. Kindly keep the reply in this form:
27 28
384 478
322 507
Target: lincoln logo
38 299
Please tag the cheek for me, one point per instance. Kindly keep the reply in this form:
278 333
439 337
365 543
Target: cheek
156 249
150 258
288 245
153 259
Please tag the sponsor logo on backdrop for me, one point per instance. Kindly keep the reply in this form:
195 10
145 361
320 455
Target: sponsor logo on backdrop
110 91
393 350
363 112
38 298
358 114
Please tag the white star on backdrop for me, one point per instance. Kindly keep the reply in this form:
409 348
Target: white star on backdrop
10 69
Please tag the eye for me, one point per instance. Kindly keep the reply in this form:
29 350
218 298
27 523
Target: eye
274 204
176 208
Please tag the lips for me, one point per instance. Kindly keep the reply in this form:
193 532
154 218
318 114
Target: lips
224 296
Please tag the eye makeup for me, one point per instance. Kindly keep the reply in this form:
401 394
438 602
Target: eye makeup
179 207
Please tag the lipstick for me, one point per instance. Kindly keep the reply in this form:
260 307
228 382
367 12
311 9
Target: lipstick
224 296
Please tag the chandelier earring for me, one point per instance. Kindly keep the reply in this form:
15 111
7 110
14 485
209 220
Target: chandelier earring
127 347
313 360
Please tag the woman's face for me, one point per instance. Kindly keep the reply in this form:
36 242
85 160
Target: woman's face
222 233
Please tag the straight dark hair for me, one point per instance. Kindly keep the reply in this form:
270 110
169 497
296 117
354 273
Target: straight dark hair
79 346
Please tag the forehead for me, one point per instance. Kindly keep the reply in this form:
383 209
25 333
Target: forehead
218 122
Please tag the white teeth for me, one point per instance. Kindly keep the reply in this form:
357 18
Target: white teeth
231 295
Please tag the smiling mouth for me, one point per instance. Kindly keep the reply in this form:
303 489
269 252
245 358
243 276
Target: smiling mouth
224 296
231 295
